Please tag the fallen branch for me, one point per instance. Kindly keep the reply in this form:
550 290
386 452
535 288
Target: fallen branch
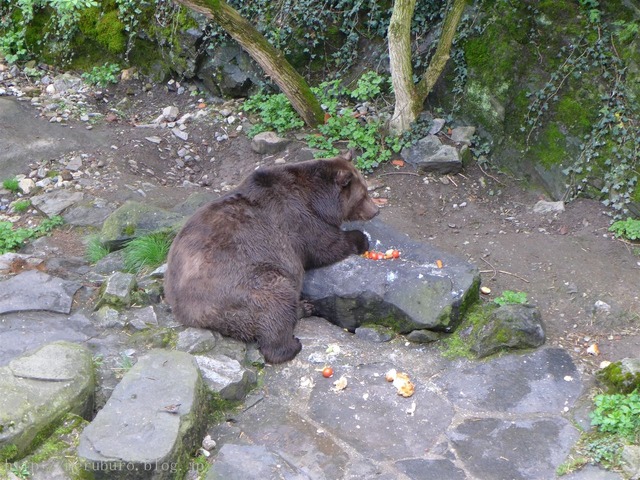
489 175
506 273
400 173
496 271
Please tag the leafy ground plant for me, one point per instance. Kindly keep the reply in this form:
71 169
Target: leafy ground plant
103 75
618 414
616 418
510 297
275 112
12 238
629 229
342 124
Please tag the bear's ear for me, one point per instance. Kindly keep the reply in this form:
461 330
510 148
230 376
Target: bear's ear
343 178
349 155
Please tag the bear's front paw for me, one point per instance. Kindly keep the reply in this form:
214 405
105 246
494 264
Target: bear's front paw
359 241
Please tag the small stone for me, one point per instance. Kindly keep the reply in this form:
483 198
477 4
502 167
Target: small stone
170 113
600 307
543 207
180 134
26 185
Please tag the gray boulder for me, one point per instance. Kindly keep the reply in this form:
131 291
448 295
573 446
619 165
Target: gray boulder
133 219
153 420
226 376
268 142
409 293
508 327
56 201
117 290
35 290
197 340
230 72
622 376
631 461
39 389
463 135
89 212
429 154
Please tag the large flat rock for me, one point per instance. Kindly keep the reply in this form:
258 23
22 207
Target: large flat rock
409 293
37 390
22 332
34 290
504 418
135 435
546 380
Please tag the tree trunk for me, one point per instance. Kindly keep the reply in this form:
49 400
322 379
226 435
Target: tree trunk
409 97
291 83
401 69
440 57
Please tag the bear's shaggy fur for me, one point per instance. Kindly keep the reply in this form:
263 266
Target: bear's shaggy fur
238 263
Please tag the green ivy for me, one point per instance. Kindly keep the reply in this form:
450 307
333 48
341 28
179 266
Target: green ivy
12 238
343 127
608 164
275 113
629 229
103 75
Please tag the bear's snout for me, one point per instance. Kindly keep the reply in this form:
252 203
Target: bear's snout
369 210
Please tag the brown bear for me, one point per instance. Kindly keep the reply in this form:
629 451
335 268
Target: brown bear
238 263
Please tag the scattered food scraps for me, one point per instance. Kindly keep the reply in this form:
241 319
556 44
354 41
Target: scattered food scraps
439 263
404 386
412 409
401 381
390 376
485 290
327 372
340 384
388 255
307 382
593 350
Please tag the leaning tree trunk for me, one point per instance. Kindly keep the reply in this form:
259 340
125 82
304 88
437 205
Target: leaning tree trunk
401 69
441 55
409 98
270 59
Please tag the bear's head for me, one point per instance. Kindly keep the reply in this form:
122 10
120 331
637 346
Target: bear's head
354 197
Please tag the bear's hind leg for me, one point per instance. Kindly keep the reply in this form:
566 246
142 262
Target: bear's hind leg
275 336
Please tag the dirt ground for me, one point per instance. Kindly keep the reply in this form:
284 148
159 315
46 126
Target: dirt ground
565 262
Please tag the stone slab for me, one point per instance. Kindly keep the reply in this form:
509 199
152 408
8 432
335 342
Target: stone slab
408 293
38 389
151 423
34 290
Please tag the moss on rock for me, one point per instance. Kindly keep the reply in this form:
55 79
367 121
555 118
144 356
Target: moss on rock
622 376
